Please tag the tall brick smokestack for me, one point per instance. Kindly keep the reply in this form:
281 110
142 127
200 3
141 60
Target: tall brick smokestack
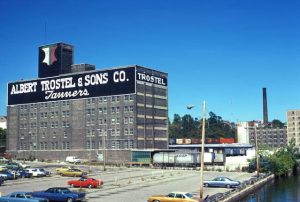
265 106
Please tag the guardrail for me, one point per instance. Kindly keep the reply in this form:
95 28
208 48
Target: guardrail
242 190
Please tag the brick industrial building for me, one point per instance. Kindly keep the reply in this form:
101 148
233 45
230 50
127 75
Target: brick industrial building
293 126
77 110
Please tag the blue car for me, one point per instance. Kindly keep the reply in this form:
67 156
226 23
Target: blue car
21 197
24 174
60 194
1 180
7 175
221 182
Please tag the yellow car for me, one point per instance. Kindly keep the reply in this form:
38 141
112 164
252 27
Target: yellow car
73 173
62 169
173 197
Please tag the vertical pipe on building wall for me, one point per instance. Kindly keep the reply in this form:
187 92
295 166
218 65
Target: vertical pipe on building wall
153 120
145 111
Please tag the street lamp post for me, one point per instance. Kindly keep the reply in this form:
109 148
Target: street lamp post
104 152
103 146
202 148
90 152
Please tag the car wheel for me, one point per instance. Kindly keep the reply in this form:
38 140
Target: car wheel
71 185
156 201
228 186
206 185
69 200
90 186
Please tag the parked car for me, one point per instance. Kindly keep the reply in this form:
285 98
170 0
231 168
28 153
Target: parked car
23 165
13 165
60 194
174 197
3 160
85 182
36 172
47 173
3 168
64 168
72 159
221 182
73 173
7 175
24 174
21 197
1 180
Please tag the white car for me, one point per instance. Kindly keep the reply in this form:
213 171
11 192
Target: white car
36 172
72 159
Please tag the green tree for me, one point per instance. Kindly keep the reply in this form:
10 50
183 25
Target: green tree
282 162
277 124
175 127
2 137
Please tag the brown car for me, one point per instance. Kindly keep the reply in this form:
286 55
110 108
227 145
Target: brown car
73 172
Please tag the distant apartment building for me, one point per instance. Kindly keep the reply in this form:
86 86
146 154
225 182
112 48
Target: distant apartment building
269 136
266 135
3 122
293 126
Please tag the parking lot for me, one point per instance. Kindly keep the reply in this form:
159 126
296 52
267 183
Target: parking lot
125 184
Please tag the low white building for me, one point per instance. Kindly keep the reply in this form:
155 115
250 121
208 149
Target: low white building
3 122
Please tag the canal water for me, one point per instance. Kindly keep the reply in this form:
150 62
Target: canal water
285 189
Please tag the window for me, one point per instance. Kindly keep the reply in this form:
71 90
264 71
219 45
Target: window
126 109
131 131
126 97
130 119
113 132
102 121
65 145
131 108
125 120
65 134
115 144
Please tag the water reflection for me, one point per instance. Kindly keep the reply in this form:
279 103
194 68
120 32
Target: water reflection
284 190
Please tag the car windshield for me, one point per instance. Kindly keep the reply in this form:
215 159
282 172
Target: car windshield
27 195
189 195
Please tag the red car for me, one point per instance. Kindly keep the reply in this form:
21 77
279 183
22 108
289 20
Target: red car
85 182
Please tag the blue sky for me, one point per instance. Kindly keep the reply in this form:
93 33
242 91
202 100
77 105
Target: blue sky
223 51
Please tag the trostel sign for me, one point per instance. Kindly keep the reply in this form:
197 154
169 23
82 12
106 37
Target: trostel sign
92 84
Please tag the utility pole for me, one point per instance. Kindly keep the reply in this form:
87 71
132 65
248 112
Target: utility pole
256 152
202 150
